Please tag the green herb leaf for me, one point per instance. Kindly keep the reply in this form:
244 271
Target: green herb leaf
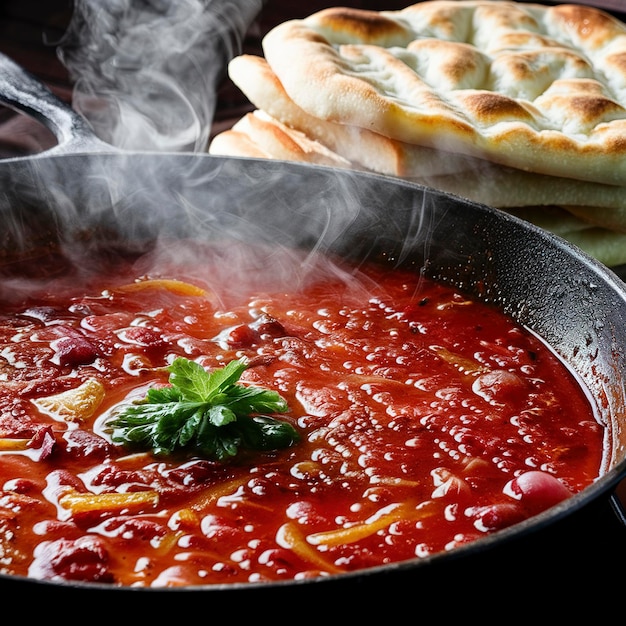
209 414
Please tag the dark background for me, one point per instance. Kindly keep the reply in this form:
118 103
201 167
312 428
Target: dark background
31 29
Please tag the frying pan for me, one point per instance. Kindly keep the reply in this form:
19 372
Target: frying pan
83 194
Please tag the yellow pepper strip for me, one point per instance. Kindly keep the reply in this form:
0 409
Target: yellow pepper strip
462 364
13 445
367 379
212 494
382 519
175 286
168 542
78 503
392 481
290 538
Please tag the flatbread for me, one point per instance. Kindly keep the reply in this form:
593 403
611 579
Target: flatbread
605 245
258 135
476 179
373 151
552 184
533 87
611 218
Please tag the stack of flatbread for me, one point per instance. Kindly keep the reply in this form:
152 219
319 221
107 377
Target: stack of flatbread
517 106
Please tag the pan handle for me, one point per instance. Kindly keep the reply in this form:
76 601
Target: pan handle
23 92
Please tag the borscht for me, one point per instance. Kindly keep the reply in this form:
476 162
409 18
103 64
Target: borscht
212 413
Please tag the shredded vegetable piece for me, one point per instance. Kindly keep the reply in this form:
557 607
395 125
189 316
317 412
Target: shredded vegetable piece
290 537
382 519
212 494
175 286
78 503
461 363
8 444
73 405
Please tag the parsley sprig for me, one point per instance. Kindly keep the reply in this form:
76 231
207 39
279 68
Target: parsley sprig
208 414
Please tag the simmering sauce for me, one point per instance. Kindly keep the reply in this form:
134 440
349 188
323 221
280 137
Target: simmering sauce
427 420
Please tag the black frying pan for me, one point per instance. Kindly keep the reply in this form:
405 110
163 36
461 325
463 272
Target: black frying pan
84 193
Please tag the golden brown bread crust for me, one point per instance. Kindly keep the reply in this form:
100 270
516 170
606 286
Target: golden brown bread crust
361 146
258 135
530 86
525 77
476 179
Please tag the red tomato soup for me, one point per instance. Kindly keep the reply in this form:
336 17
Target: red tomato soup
426 420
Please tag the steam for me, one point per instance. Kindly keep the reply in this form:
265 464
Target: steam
146 72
